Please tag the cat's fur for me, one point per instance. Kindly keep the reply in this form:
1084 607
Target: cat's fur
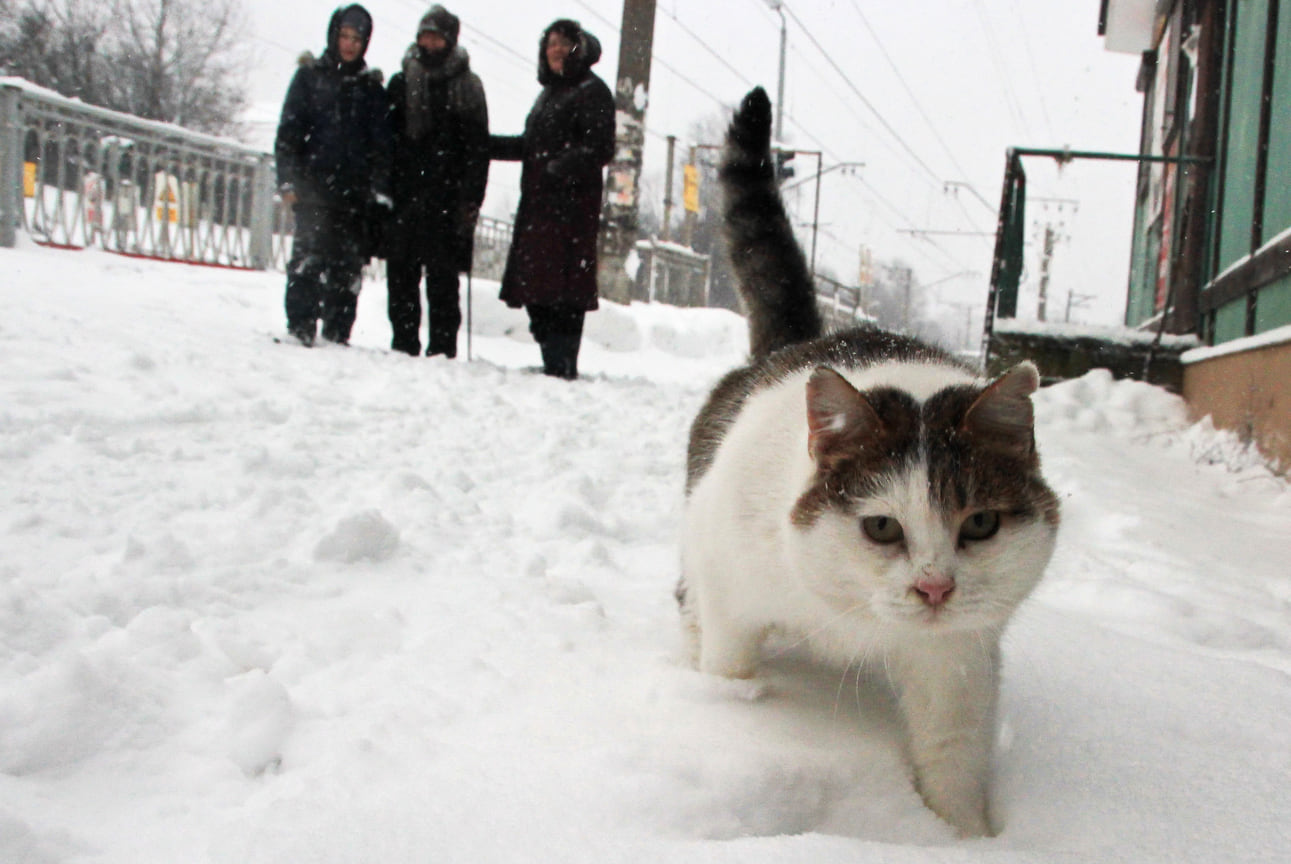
863 492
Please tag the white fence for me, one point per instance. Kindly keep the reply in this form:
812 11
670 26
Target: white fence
79 176
75 175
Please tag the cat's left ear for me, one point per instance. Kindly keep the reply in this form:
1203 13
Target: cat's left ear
1003 415
839 418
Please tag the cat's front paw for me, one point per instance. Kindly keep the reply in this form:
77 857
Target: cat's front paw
968 818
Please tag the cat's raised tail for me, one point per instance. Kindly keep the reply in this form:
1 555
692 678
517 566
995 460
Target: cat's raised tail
770 269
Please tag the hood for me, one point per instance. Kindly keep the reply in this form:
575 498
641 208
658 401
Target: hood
354 16
440 20
587 51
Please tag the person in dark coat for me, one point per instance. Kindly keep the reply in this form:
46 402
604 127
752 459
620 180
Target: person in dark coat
333 159
440 122
568 139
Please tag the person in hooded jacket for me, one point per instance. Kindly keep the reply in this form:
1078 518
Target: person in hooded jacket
440 122
568 139
333 162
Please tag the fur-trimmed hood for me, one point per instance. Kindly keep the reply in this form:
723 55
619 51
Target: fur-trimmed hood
307 58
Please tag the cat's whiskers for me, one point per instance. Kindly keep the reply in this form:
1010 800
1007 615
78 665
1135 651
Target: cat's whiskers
818 630
860 659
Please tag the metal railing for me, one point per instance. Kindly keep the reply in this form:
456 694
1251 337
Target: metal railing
673 274
840 305
79 176
75 175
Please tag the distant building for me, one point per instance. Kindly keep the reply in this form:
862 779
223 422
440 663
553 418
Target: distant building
1212 238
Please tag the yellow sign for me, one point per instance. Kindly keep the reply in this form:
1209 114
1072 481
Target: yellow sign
690 188
29 179
166 198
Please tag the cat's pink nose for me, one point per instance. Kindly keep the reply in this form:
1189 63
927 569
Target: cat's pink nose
934 591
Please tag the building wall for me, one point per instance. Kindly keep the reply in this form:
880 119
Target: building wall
1249 274
1248 392
1241 142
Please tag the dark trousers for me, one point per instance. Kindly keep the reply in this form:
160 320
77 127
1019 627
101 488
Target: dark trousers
443 304
558 330
325 270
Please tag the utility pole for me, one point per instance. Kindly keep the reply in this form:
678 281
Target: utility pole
620 212
666 233
1049 237
777 6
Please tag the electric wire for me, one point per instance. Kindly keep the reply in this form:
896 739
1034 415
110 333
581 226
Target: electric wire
864 100
997 59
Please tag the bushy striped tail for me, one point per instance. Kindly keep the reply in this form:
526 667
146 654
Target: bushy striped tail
770 268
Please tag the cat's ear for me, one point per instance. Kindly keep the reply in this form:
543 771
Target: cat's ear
839 418
1003 417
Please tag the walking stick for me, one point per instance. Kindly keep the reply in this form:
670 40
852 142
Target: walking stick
469 305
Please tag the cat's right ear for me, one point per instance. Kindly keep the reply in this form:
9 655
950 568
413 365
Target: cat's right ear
839 418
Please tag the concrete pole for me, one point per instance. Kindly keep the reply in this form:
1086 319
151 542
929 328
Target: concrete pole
620 211
1049 237
666 233
11 159
777 6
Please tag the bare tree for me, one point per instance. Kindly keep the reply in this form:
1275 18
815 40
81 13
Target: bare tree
180 61
59 44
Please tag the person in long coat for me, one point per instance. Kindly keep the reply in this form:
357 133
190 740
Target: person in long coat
333 163
440 122
568 140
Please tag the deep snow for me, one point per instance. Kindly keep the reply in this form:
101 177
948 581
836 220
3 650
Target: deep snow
263 604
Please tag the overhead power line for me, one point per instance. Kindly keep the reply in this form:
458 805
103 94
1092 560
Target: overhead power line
865 101
896 70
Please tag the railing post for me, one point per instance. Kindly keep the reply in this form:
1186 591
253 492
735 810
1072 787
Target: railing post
262 214
10 166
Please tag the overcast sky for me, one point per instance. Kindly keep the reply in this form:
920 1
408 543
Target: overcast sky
926 93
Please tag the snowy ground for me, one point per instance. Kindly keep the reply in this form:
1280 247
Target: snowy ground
263 604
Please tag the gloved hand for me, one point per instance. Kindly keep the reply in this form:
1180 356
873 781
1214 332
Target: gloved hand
567 162
379 216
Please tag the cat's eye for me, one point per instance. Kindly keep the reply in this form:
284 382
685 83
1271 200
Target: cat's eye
980 526
882 529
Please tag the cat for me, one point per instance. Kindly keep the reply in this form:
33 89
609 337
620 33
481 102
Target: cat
862 492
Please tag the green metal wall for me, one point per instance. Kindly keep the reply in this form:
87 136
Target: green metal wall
1230 321
1273 306
1277 196
1241 145
1272 310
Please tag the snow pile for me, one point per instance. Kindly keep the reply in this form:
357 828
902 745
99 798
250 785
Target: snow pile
263 604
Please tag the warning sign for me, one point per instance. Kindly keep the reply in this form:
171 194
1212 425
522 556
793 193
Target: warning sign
690 188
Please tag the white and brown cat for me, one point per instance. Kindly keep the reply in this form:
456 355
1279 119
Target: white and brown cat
863 492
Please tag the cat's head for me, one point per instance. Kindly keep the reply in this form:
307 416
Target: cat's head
925 513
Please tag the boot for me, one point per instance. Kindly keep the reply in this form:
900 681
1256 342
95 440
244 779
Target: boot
303 333
550 364
335 333
564 351
406 344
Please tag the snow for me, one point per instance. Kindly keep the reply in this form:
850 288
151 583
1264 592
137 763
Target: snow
264 604
1115 335
1268 339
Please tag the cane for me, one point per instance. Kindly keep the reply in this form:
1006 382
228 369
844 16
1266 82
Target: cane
469 304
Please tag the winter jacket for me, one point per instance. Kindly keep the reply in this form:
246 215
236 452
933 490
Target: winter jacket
568 139
333 144
441 153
